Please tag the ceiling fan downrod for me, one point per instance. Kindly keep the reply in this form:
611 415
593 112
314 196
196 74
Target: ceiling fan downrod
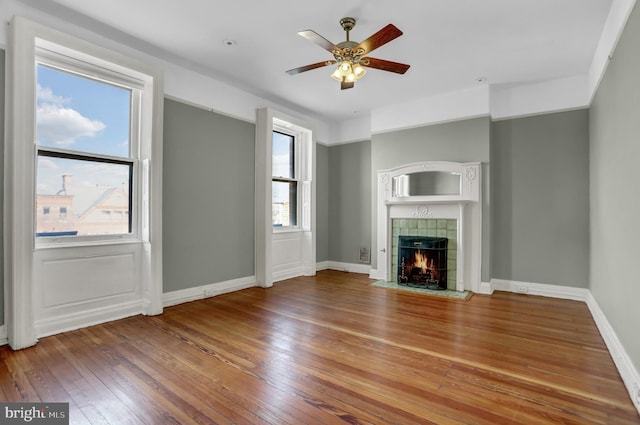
347 25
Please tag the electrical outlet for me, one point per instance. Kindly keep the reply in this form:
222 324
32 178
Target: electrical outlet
522 289
636 392
209 292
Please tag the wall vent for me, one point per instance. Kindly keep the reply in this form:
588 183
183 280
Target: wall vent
363 255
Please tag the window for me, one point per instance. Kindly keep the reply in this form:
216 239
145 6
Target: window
86 144
284 206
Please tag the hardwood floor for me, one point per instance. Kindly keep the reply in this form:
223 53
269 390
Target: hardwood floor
331 350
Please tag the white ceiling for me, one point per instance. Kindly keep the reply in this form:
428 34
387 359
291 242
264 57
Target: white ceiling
449 44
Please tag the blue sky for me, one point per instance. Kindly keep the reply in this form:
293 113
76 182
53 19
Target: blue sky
280 166
281 152
83 115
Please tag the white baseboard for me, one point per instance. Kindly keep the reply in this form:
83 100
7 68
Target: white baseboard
375 274
284 274
206 291
3 335
485 288
323 265
85 318
349 267
628 372
542 289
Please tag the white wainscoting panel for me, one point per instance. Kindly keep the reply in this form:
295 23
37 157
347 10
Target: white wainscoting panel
87 282
76 287
287 255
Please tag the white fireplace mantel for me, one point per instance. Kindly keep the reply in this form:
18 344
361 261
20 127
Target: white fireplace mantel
465 207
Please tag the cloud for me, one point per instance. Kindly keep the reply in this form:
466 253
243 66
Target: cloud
47 163
281 165
62 126
45 95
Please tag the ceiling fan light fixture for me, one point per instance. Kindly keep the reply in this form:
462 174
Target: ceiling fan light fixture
337 75
349 72
359 71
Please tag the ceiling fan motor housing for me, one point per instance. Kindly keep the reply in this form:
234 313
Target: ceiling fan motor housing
347 23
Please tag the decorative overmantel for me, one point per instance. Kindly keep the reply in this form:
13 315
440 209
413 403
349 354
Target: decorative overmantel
462 202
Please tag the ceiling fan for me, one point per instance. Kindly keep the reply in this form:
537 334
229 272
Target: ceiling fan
350 54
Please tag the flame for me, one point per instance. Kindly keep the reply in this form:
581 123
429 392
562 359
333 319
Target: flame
422 261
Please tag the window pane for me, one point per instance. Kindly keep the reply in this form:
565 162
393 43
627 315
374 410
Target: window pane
81 114
284 208
81 197
282 156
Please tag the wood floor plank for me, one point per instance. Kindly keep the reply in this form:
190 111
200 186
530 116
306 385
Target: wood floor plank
331 349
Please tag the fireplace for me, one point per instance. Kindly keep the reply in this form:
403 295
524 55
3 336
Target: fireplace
422 262
443 213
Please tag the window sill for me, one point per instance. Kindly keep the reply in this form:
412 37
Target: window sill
59 243
287 229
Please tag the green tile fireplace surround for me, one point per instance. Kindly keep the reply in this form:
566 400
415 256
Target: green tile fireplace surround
442 228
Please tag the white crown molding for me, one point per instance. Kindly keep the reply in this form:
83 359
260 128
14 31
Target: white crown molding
618 16
509 101
462 104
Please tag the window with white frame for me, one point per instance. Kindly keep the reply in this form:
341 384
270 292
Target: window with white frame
86 135
285 176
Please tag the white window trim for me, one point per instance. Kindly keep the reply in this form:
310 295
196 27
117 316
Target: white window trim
64 59
298 135
265 120
20 152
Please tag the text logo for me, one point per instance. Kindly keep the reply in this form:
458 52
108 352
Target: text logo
34 413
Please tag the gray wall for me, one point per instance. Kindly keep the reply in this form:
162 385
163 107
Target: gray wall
208 197
614 130
322 203
540 199
2 62
349 200
460 141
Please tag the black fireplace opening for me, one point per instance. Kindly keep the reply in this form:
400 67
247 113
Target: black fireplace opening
422 262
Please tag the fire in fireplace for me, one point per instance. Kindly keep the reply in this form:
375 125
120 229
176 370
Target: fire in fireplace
422 262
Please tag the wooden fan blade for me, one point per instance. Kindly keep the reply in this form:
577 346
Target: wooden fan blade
298 70
319 40
345 85
382 37
385 65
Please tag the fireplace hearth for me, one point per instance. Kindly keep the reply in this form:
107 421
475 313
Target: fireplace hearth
422 262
